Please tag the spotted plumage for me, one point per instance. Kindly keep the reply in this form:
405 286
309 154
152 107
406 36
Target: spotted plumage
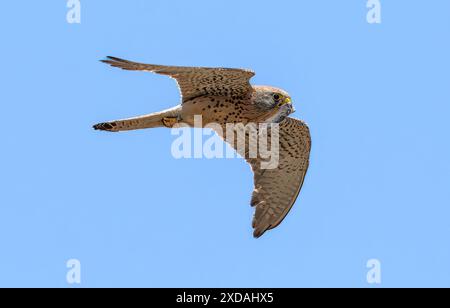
224 95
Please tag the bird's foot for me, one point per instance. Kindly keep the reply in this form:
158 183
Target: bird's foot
170 121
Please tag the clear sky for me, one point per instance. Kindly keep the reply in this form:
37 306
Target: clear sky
376 97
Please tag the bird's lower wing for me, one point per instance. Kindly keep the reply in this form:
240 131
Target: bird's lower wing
276 190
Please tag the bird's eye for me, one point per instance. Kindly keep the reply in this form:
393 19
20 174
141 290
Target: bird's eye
276 97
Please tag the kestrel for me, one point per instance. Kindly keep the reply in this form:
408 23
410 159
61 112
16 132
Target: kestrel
224 95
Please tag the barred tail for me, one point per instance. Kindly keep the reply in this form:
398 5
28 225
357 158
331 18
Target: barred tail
157 119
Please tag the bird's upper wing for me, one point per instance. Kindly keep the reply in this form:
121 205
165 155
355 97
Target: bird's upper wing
196 81
275 190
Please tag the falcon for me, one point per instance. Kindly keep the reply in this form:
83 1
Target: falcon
225 95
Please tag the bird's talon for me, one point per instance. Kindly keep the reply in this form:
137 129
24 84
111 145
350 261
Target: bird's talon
169 122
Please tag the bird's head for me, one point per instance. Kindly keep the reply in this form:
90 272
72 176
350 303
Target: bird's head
276 102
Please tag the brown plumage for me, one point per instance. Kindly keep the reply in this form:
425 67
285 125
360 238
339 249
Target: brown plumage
224 95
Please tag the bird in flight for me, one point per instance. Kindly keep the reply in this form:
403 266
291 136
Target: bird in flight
225 95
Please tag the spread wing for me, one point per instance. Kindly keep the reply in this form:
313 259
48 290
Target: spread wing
197 81
275 190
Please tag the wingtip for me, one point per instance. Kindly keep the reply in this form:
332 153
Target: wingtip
259 228
109 59
257 233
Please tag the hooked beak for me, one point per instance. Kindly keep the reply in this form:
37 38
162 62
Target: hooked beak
288 100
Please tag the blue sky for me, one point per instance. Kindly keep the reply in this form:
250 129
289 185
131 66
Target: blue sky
376 97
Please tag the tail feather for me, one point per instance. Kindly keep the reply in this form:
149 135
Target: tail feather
151 120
